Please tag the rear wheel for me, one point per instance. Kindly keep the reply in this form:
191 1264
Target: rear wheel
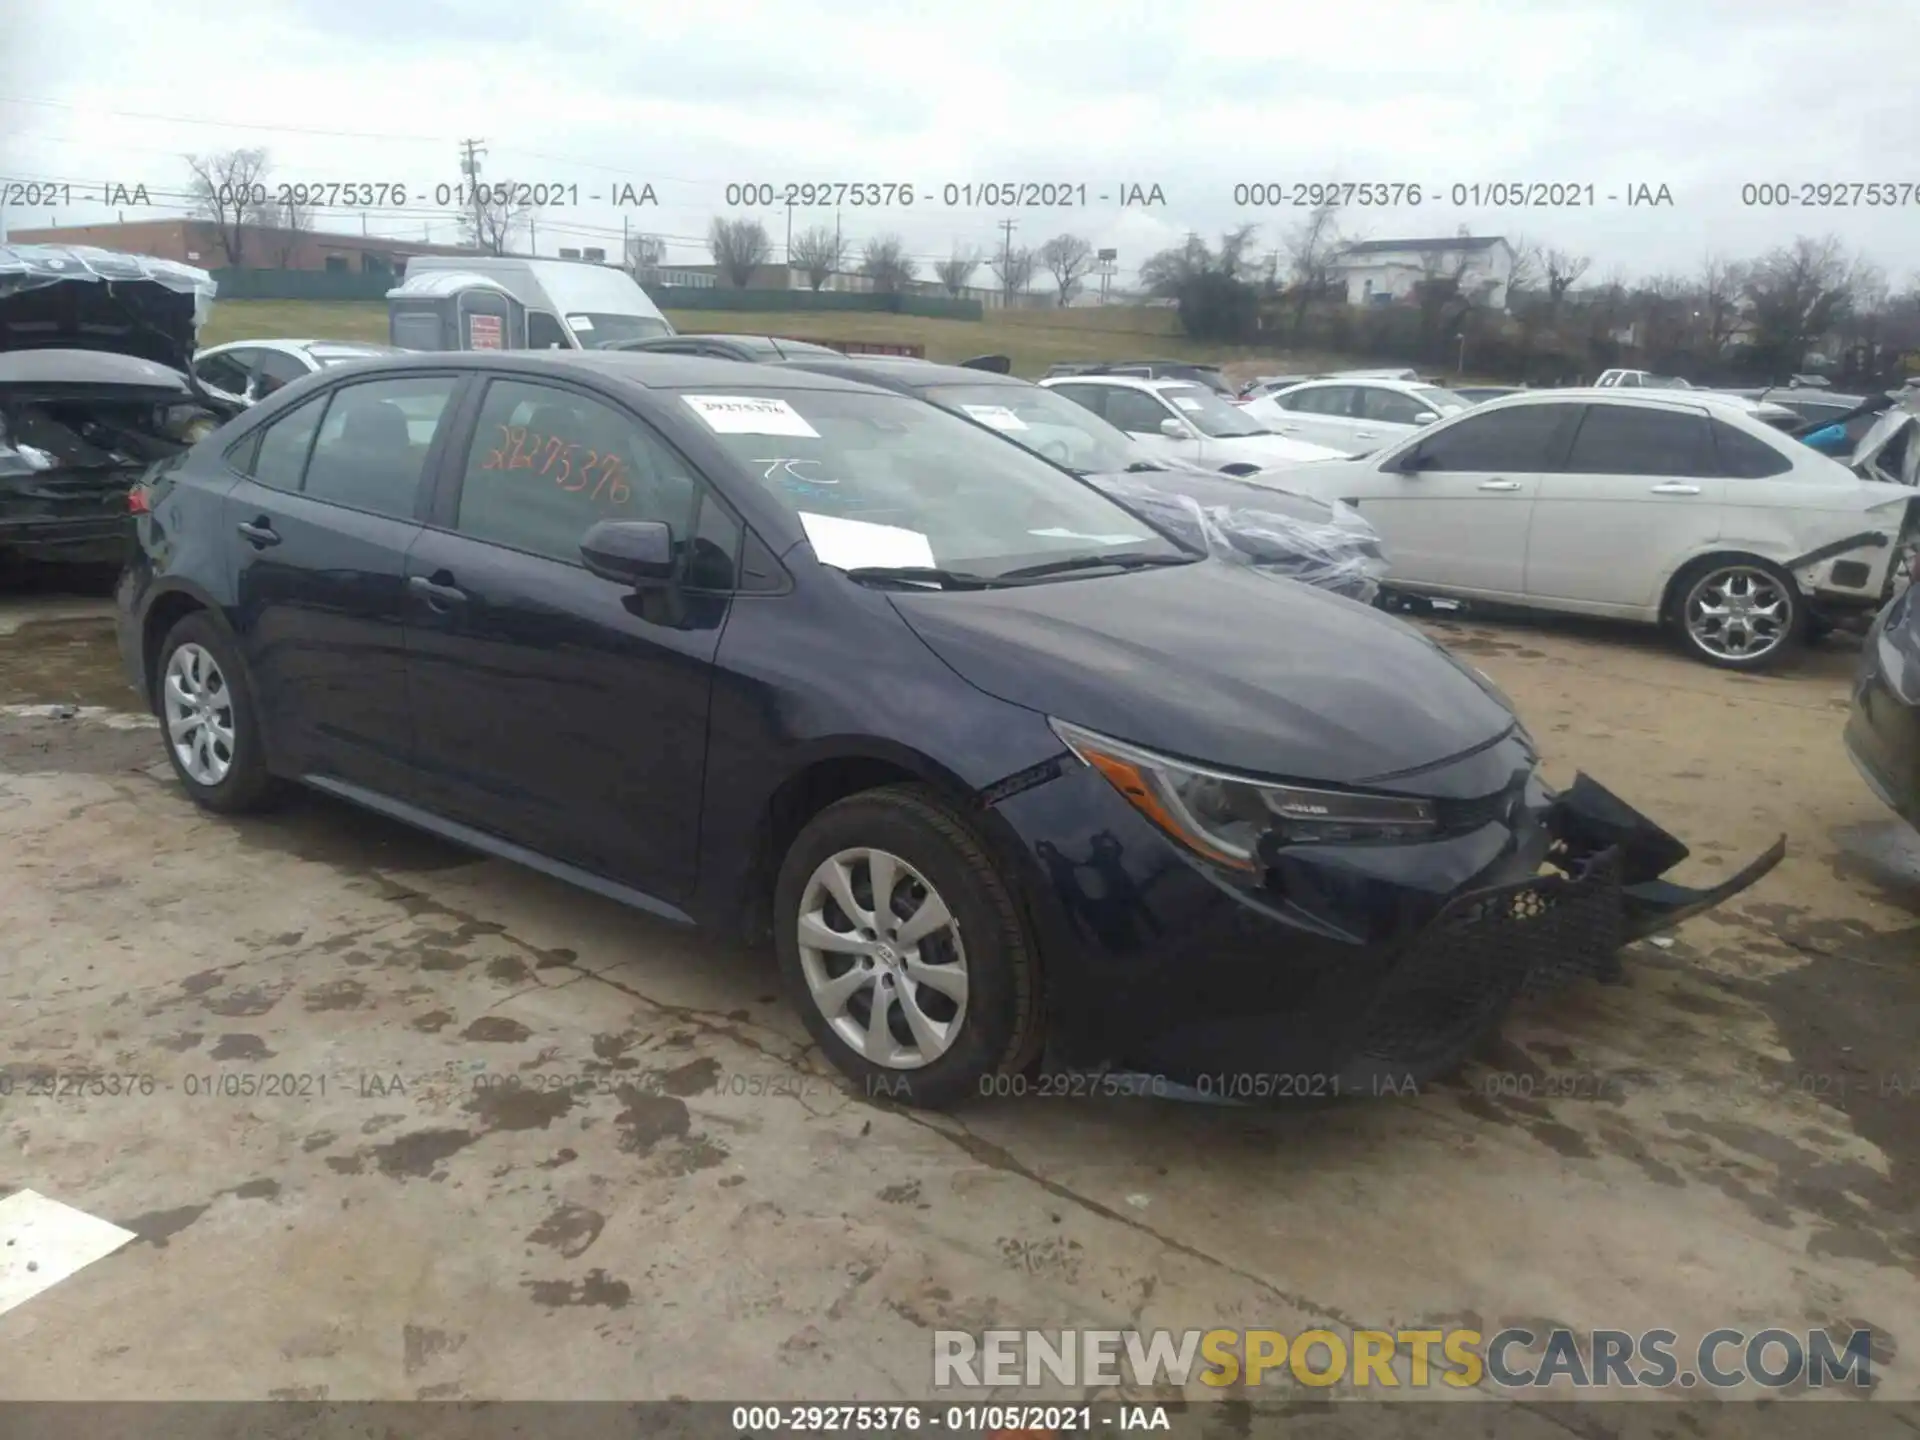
903 948
1740 613
209 720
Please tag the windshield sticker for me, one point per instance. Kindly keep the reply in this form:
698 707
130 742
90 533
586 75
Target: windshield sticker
998 416
1184 403
849 544
580 322
749 415
1058 533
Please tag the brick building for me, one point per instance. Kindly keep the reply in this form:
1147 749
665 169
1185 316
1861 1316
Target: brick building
197 242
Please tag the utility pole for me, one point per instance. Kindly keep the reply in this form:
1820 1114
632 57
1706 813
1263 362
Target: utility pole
626 244
836 247
533 234
1006 262
789 242
470 153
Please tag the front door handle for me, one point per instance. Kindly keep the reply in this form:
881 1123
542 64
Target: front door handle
1499 484
440 598
259 533
1673 488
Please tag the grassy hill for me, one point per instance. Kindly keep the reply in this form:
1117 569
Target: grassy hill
1034 338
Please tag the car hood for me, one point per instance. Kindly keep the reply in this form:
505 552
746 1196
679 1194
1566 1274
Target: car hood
1273 449
1213 663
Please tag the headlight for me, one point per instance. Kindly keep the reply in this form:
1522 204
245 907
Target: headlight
1222 817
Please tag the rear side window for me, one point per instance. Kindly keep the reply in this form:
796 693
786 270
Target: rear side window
372 447
1742 457
1520 438
1636 440
282 456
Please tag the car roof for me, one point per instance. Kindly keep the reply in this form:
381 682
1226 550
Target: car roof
900 371
1382 381
1701 400
1130 382
633 367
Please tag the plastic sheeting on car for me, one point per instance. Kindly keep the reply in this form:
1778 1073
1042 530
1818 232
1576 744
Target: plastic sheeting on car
1323 543
31 267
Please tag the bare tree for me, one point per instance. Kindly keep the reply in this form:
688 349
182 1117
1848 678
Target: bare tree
497 217
1066 258
1168 272
1722 284
226 188
1014 268
1312 247
645 255
955 271
817 252
884 260
1234 260
286 225
1563 270
739 247
1797 294
1526 271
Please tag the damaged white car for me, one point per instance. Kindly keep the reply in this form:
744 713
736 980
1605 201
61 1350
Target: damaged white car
94 348
1668 508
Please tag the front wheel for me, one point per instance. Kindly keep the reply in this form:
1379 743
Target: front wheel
902 946
1739 614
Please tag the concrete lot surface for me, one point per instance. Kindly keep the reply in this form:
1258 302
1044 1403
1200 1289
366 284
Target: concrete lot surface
398 1122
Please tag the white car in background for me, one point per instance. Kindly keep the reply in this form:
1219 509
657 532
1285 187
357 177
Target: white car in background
1659 506
250 370
1352 414
1186 421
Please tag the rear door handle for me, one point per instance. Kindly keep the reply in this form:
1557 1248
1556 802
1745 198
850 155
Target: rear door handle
1499 484
259 533
1676 489
439 598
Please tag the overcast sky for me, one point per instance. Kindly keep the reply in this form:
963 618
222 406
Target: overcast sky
1698 96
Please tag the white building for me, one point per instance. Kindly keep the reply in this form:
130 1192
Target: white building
1379 272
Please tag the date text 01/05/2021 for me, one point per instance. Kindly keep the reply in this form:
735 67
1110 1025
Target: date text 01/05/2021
1459 194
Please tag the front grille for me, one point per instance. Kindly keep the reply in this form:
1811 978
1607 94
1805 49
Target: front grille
1483 950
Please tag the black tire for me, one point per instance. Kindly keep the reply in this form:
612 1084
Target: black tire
1792 632
247 786
1000 1029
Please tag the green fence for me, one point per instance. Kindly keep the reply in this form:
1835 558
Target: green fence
702 297
249 284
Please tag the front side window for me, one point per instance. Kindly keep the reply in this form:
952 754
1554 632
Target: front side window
372 447
1135 411
885 480
544 332
1206 411
1088 397
1521 438
548 464
1389 406
1639 440
229 371
277 369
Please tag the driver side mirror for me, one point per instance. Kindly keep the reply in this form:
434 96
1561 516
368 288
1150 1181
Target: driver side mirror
1425 417
631 552
1174 429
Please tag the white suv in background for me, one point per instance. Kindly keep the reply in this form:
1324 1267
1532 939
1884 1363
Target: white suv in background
1354 414
1187 421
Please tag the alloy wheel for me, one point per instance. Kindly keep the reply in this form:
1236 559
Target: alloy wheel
1738 612
199 714
883 958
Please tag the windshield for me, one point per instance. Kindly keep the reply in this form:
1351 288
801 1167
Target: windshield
1214 416
884 480
1444 401
1666 382
598 329
1066 433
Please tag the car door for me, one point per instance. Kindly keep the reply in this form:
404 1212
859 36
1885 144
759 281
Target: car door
1322 415
553 708
321 525
1452 504
1638 492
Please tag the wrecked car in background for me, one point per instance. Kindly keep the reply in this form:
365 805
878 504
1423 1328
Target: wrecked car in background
94 350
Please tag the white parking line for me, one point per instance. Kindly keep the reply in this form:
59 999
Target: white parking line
94 714
42 1242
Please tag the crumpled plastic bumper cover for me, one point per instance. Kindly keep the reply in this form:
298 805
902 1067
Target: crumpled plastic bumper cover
1452 982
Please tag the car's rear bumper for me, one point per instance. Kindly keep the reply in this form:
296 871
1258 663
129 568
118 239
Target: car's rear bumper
1360 967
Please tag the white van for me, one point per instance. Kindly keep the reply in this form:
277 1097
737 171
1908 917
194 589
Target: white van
556 304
